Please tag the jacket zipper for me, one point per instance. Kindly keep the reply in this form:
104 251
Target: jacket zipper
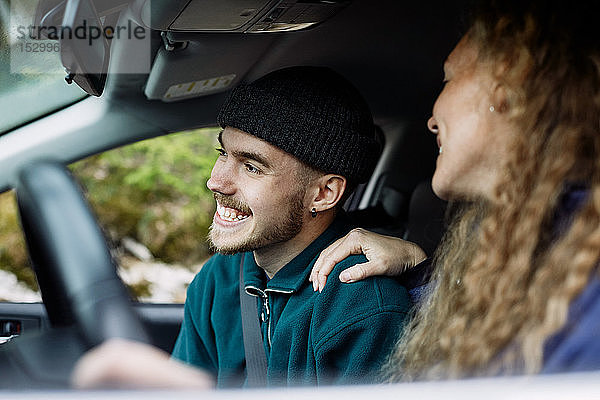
267 310
265 299
264 295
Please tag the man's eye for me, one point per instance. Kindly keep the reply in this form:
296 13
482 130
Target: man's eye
221 152
251 168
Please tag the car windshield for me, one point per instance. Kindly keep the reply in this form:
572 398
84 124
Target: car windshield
31 74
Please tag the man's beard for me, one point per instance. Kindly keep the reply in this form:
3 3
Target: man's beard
277 230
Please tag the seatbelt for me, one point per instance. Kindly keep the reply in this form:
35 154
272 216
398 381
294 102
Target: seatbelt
256 360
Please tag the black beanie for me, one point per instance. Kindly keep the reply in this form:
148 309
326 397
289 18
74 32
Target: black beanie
312 113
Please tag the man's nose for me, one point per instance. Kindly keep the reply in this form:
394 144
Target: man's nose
221 179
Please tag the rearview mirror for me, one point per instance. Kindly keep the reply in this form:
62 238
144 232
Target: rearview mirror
84 46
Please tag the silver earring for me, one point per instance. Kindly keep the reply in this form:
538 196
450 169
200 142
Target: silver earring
492 108
313 213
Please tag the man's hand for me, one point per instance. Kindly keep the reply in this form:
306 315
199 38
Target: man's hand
120 363
386 255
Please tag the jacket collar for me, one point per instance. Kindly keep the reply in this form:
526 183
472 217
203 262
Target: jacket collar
572 199
290 277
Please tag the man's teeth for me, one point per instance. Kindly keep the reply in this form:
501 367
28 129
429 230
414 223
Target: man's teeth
229 214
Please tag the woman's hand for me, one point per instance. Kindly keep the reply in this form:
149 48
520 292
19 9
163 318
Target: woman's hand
386 255
119 363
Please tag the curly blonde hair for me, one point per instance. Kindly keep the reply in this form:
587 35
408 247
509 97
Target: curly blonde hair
503 280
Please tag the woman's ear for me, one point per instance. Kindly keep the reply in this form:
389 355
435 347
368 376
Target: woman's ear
499 98
330 189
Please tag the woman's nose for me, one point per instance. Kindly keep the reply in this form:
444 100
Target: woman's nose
432 125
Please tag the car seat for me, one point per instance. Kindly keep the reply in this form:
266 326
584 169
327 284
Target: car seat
417 217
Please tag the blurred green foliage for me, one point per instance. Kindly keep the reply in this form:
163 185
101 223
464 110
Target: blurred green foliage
13 257
153 191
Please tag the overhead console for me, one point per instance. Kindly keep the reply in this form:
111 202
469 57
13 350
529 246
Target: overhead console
221 62
235 15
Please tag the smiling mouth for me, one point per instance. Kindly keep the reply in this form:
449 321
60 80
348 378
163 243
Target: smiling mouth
231 214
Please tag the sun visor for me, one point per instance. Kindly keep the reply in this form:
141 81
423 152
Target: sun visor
235 15
203 67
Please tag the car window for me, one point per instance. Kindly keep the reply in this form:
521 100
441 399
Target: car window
17 280
153 205
32 80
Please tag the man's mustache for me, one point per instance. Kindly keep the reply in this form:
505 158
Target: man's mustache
231 202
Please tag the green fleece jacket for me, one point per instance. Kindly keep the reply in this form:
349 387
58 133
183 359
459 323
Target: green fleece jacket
342 335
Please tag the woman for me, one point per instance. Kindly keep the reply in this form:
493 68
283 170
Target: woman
515 287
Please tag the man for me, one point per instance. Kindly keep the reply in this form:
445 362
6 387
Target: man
293 144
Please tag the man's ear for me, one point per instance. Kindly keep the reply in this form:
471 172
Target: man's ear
330 189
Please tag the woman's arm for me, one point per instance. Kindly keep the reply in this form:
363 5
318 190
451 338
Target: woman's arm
386 255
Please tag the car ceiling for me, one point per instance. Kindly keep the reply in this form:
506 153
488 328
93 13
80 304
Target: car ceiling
391 50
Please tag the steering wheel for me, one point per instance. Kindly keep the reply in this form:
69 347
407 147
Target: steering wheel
75 271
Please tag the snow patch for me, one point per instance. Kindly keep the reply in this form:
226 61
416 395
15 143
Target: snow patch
167 282
14 291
